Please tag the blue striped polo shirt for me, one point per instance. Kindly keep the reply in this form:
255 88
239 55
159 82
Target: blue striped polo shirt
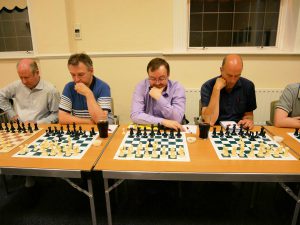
75 103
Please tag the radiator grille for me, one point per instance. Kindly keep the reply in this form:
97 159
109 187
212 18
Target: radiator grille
264 97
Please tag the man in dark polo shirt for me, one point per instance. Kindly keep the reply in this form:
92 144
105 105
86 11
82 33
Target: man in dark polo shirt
229 97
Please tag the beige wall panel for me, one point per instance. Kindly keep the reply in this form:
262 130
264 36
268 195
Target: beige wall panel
49 26
8 72
132 25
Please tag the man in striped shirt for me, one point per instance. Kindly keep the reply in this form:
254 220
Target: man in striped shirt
87 99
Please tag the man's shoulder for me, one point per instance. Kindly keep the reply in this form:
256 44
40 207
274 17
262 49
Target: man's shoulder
100 83
294 87
209 83
246 81
48 85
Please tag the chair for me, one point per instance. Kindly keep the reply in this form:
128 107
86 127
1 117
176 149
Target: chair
196 118
272 111
115 117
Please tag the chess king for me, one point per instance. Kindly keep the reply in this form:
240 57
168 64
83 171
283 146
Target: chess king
157 99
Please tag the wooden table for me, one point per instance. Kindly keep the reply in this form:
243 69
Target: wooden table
63 168
204 166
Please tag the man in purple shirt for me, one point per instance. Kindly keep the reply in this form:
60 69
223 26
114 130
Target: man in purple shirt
158 99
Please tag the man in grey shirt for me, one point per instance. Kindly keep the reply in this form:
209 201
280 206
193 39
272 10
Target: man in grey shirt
34 100
287 110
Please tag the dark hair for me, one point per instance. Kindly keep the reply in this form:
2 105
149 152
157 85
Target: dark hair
75 59
155 63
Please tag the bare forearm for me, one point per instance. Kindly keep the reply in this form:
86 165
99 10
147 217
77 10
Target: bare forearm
288 122
67 118
213 106
94 109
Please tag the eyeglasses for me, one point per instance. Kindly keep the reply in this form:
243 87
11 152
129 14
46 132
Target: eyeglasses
160 79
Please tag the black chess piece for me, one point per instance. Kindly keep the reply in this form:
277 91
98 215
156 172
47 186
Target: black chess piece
178 135
296 133
93 131
247 132
138 132
171 136
241 132
61 130
50 130
1 128
227 130
74 126
36 127
158 130
29 128
55 130
6 127
145 132
165 133
214 133
84 134
233 130
256 134
12 128
251 134
131 132
76 135
262 130
152 134
47 133
150 144
80 130
19 128
221 132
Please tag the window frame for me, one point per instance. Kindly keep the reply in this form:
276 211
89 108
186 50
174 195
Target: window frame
287 35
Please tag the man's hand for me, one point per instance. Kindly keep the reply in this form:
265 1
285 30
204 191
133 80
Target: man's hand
246 123
82 89
172 124
156 92
220 83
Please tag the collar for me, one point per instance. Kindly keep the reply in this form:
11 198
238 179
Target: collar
93 83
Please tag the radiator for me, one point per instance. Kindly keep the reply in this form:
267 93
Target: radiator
264 97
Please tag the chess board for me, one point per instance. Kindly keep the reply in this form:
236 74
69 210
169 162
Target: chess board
57 149
9 140
220 142
174 144
295 137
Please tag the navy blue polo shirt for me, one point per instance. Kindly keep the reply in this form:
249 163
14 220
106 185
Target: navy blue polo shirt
234 104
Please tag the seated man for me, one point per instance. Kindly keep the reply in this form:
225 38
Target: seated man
158 99
287 110
34 100
87 99
229 97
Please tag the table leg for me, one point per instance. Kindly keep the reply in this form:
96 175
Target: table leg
296 211
107 199
92 201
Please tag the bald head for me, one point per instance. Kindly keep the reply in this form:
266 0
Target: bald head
28 72
235 60
231 70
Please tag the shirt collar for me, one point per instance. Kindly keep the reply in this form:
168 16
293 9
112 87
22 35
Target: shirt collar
93 83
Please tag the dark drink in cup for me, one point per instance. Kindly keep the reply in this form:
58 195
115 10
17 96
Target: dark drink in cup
103 128
203 130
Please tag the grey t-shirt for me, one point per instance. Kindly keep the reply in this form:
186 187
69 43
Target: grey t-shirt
290 100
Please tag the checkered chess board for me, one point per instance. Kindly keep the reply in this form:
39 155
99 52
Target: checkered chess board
163 144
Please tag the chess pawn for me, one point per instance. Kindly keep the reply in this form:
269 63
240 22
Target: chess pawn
129 151
163 152
172 153
233 151
181 152
286 152
225 151
154 154
121 153
251 154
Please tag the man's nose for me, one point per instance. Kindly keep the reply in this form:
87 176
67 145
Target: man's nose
76 79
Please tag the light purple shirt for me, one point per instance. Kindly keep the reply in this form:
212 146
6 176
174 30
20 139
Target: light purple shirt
146 110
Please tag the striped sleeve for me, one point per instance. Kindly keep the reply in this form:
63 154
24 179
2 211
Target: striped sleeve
65 104
104 103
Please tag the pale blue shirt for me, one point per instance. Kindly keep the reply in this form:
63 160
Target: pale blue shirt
39 104
146 110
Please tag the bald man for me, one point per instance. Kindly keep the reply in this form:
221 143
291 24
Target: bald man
229 97
34 100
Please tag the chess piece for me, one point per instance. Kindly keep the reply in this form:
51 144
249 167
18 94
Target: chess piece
68 129
214 133
233 151
165 133
138 132
12 128
74 126
131 132
178 135
171 136
233 130
296 133
36 128
152 134
145 132
158 130
1 128
225 151
80 130
29 128
221 132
